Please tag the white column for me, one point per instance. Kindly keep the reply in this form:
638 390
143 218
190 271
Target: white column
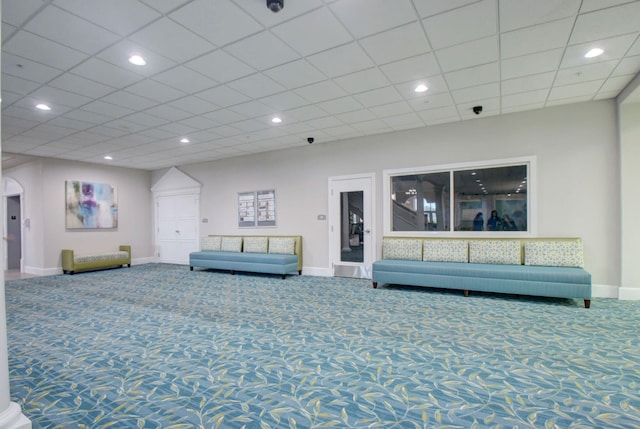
10 413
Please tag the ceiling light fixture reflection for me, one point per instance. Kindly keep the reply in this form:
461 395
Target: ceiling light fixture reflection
276 120
43 106
421 88
137 60
595 52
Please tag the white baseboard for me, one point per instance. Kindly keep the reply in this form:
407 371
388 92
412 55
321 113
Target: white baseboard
629 293
604 291
316 271
43 271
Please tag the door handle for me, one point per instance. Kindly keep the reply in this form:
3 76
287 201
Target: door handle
368 231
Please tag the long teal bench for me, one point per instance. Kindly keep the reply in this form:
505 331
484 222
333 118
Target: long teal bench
538 267
259 254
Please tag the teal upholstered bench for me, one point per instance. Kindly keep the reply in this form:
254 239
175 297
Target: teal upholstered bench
259 254
550 267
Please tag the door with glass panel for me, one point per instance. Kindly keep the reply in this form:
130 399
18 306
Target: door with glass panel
350 225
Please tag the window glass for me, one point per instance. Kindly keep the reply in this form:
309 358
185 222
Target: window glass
491 199
432 189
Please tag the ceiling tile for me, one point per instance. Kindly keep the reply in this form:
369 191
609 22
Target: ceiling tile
194 105
59 96
90 117
469 54
474 22
585 73
616 84
256 86
252 51
342 60
524 98
107 109
106 73
380 15
435 84
396 44
38 49
431 102
575 90
109 14
220 66
412 69
27 69
531 64
306 113
119 54
145 120
629 65
356 116
19 85
591 5
528 83
185 80
379 96
476 93
224 116
294 9
49 23
220 22
252 109
129 100
168 112
295 74
18 13
155 91
7 30
172 40
313 32
433 7
606 23
79 85
473 76
391 109
223 96
539 38
284 101
516 14
614 47
362 81
340 105
321 91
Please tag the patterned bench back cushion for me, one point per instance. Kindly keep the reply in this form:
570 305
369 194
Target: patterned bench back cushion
231 244
255 244
445 250
554 253
210 243
495 252
402 248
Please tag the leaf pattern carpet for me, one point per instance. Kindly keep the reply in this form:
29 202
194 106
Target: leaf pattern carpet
159 346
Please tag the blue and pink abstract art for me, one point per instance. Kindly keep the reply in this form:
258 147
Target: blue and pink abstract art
91 205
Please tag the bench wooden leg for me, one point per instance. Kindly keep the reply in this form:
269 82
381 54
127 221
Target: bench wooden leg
375 285
299 272
283 276
466 293
587 303
190 268
232 272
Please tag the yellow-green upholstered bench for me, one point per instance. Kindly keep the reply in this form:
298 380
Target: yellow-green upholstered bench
73 262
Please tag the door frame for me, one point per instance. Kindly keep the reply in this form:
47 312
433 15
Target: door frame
335 219
12 188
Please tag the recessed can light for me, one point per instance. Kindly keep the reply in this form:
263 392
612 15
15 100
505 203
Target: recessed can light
184 140
108 158
42 106
594 53
421 88
137 60
276 120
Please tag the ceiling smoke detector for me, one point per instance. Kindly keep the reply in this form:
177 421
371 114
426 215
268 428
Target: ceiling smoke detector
275 6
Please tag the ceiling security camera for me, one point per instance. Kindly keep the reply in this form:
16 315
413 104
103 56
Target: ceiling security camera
477 109
310 140
275 5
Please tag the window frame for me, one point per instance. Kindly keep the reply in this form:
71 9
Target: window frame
529 161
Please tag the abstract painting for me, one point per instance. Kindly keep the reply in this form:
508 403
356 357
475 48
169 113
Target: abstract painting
91 205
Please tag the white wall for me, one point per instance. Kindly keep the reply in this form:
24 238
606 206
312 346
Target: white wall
578 176
630 208
44 200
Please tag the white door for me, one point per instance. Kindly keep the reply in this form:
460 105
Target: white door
351 220
177 228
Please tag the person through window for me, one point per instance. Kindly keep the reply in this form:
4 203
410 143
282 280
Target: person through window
494 223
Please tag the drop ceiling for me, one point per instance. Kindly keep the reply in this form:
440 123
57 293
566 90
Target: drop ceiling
219 71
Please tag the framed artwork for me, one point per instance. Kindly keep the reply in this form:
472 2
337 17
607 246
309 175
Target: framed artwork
266 208
257 208
91 205
246 209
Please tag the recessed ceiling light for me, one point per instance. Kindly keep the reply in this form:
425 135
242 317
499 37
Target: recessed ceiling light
42 106
276 120
137 60
184 140
594 53
108 158
421 88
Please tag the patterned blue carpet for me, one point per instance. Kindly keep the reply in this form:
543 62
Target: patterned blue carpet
158 346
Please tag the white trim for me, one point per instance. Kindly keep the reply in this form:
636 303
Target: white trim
532 218
604 291
629 294
317 271
12 417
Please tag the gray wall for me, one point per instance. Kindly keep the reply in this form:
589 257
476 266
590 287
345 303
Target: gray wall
577 189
